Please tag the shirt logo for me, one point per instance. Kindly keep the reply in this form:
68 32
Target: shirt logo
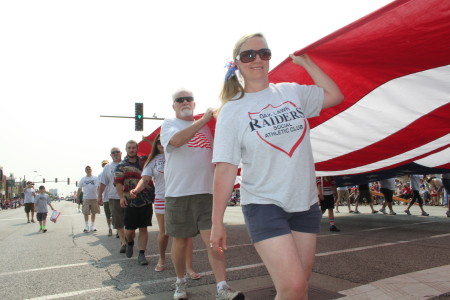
199 141
282 127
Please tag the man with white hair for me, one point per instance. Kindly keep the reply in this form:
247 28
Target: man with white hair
188 174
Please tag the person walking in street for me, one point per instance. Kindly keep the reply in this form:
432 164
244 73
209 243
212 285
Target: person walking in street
102 198
387 187
188 176
107 183
154 170
138 211
327 189
28 199
42 201
446 184
88 186
343 195
415 187
264 127
364 193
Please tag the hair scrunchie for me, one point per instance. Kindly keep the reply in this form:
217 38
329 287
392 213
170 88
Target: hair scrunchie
232 67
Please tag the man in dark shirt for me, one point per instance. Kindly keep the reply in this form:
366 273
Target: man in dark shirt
138 211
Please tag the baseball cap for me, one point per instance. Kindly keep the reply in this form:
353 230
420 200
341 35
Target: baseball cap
105 162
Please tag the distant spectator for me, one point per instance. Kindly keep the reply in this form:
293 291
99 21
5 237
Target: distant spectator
88 185
326 187
29 194
415 183
42 200
387 187
364 193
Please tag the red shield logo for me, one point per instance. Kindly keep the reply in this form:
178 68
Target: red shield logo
282 127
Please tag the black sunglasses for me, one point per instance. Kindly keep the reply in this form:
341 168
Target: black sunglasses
182 99
115 152
250 55
158 142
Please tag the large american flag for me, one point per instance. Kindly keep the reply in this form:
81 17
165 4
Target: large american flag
393 67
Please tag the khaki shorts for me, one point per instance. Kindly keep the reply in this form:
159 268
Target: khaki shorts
29 207
187 215
116 213
90 206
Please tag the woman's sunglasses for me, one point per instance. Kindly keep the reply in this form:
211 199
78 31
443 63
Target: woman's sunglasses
250 55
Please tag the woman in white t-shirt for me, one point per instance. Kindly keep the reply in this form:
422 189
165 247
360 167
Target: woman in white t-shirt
264 126
154 169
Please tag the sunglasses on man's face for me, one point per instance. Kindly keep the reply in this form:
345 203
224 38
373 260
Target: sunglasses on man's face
115 152
250 55
182 99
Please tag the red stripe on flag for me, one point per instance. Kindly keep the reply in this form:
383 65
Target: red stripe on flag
406 139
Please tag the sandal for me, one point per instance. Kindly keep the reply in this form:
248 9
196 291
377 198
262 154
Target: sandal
160 267
194 275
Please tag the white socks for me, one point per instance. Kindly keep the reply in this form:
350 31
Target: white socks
221 285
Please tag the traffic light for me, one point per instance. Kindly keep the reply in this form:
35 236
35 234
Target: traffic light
56 180
138 116
68 181
43 180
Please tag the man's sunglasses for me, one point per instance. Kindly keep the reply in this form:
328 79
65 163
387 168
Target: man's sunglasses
182 99
250 55
115 152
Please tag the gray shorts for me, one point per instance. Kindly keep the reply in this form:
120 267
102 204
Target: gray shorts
265 221
116 213
107 210
187 215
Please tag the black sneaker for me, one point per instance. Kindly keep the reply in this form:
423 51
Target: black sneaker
142 260
129 251
334 228
123 248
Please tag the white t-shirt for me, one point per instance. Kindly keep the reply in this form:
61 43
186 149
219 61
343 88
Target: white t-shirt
415 182
268 133
28 196
108 180
89 186
188 169
155 169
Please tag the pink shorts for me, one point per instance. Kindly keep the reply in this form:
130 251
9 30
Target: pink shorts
159 206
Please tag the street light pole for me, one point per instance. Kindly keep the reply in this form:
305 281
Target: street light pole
35 177
24 179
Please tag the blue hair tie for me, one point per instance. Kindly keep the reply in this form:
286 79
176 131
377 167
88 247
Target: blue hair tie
231 66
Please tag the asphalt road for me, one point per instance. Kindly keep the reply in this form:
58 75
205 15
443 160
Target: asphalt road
67 263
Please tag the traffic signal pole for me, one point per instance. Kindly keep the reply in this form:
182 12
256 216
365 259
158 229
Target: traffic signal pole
138 117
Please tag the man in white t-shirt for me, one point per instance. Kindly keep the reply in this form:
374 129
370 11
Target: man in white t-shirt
188 175
88 185
104 198
28 200
107 181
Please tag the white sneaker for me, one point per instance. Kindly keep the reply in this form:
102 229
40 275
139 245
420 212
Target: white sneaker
93 228
180 291
86 229
228 293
